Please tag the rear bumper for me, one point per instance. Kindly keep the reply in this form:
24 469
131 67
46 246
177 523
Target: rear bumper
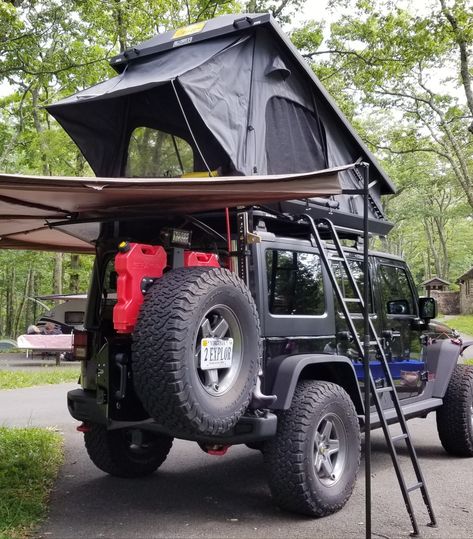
83 406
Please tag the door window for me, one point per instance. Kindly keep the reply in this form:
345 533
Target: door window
396 291
295 284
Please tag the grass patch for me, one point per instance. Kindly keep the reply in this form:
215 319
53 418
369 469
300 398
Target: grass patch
29 462
462 323
47 375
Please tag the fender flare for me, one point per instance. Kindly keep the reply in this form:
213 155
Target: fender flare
331 368
441 356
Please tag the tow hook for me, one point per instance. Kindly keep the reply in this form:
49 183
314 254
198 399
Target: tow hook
214 449
83 427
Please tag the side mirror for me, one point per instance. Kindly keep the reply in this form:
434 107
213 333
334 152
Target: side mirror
427 308
398 306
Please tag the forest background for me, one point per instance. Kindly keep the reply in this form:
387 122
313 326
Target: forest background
400 71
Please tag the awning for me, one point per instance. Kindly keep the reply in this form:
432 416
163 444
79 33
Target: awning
32 207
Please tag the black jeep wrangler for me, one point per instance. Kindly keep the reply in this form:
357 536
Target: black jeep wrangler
270 364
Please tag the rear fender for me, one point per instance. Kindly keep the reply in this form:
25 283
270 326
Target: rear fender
336 369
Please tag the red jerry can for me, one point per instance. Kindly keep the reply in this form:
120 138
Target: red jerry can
133 263
195 258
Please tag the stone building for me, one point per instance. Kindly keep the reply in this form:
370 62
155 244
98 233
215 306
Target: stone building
448 302
466 292
435 283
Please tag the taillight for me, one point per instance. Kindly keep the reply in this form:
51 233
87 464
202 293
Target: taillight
80 341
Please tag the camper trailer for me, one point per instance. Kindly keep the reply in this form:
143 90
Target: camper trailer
52 334
67 314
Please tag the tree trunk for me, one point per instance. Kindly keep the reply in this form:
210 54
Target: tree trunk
463 45
433 250
121 27
30 316
74 275
40 131
18 319
57 275
10 303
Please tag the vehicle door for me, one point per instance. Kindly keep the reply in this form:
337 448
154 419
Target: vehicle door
397 304
345 343
296 311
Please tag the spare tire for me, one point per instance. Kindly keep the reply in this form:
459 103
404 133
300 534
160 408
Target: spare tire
189 317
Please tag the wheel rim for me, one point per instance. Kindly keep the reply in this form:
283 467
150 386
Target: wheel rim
220 322
330 449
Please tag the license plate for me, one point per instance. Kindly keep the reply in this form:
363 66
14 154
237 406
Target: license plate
216 353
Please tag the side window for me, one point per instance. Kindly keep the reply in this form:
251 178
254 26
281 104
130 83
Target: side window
156 154
295 284
396 292
110 277
356 267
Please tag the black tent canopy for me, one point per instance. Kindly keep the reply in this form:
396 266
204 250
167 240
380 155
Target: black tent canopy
231 95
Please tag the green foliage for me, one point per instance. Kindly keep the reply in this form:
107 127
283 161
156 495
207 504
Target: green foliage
45 376
396 73
26 274
463 323
29 462
308 37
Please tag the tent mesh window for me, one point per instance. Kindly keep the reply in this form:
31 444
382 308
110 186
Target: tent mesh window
157 154
294 141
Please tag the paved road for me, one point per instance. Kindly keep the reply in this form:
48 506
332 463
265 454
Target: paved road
195 495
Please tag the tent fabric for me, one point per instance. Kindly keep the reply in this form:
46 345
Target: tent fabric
220 95
35 210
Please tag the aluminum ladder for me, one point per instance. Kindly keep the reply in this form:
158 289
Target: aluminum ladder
373 342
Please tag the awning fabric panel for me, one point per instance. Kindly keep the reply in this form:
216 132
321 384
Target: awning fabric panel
31 206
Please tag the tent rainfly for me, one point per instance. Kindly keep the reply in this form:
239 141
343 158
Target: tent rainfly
230 97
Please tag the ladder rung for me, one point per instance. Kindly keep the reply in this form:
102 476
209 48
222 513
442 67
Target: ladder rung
336 258
398 437
352 300
373 343
384 389
414 487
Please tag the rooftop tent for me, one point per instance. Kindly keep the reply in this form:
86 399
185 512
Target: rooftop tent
231 94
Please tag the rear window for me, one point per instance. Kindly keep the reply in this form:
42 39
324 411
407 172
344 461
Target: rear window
157 154
295 284
74 317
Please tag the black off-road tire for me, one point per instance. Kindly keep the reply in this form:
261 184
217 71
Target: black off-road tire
114 451
290 458
455 416
166 340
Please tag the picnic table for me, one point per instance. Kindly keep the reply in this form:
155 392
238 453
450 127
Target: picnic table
46 344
